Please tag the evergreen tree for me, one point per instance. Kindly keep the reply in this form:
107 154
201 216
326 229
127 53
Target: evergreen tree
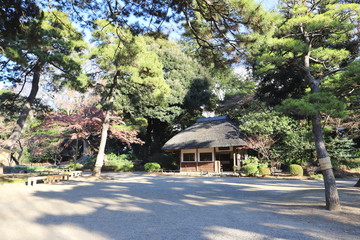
134 75
189 84
47 42
315 39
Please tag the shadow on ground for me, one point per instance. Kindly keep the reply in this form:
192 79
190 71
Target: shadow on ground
136 206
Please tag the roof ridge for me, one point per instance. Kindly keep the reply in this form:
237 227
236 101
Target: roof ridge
224 117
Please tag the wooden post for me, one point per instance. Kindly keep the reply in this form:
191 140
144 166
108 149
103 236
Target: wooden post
196 160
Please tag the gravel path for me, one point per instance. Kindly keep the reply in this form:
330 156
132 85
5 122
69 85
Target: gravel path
139 206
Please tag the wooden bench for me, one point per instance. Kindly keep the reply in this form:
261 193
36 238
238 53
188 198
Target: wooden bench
56 178
33 180
76 173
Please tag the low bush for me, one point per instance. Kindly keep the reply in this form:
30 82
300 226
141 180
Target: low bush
118 163
251 169
264 171
152 166
316 176
167 160
89 163
296 170
251 159
75 166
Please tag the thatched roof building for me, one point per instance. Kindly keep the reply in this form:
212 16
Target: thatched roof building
209 145
207 133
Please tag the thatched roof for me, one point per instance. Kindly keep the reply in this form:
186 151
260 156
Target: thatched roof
207 133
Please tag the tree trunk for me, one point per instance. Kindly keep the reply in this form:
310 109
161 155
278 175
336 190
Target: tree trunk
105 127
331 193
86 150
357 184
101 154
20 124
149 139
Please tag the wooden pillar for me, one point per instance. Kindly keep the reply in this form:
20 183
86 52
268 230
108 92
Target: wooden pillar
196 160
234 160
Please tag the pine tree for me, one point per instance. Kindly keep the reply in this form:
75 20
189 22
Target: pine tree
134 75
314 38
48 42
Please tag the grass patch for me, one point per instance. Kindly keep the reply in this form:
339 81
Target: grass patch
12 180
316 176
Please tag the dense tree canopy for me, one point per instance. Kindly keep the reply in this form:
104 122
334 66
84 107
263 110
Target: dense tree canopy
46 41
301 59
134 75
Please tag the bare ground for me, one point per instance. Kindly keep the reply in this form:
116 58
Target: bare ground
140 206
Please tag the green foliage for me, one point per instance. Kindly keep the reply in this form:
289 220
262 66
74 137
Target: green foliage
275 136
25 156
313 104
76 166
166 159
342 153
263 165
89 163
50 131
316 176
55 43
290 83
262 123
11 104
118 163
344 84
328 49
296 170
251 159
289 161
190 89
264 171
12 180
315 41
139 69
251 169
152 167
45 152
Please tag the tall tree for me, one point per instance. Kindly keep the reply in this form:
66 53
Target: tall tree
45 42
316 39
133 74
189 84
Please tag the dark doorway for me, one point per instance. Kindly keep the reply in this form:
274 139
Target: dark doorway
225 161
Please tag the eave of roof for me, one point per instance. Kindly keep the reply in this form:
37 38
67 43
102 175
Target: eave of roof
207 133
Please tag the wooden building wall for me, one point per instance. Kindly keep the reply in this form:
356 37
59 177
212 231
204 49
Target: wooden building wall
197 167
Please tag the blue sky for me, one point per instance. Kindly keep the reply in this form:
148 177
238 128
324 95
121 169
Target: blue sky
267 4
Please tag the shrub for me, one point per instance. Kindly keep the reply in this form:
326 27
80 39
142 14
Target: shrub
75 166
119 163
166 160
316 176
296 170
264 171
251 159
251 169
152 166
25 157
89 163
